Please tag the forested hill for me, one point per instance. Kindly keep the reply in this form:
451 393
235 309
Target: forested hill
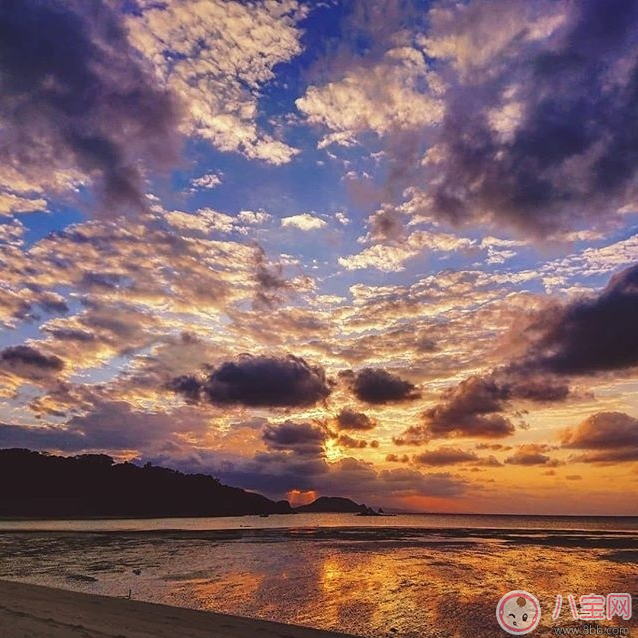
39 485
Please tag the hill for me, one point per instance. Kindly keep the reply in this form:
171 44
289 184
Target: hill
333 504
39 485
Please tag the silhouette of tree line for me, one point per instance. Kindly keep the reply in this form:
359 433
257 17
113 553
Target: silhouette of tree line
34 484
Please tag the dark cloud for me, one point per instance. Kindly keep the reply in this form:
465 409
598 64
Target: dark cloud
607 437
593 334
378 386
348 419
386 225
470 409
407 482
15 357
51 303
474 407
573 154
117 425
304 439
445 456
492 446
258 381
40 438
395 458
187 385
107 426
30 364
278 471
454 456
69 334
271 287
532 454
350 442
74 95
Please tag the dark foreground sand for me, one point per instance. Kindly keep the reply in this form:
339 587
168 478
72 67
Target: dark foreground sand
31 611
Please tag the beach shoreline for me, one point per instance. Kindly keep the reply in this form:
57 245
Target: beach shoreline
29 610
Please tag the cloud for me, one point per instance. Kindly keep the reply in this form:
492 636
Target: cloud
40 438
591 334
402 482
474 407
114 426
392 257
74 96
470 409
608 437
532 454
18 357
349 419
258 381
216 56
303 221
378 387
204 220
253 218
380 97
445 456
349 442
304 439
519 121
206 182
26 364
276 473
11 204
537 110
272 287
395 458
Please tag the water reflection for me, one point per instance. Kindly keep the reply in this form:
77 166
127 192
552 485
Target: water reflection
397 584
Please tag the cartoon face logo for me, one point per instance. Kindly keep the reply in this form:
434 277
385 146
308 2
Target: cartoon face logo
518 612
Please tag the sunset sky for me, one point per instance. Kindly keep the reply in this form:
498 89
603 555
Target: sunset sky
380 249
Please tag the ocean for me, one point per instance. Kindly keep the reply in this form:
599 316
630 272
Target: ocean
406 575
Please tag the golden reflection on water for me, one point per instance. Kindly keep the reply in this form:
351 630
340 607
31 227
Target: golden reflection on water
438 591
380 585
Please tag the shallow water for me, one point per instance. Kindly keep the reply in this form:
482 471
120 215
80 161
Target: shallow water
363 576
278 521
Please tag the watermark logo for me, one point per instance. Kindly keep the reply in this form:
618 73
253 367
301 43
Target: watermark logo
596 607
518 612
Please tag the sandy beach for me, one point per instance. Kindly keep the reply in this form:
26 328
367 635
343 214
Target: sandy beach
31 611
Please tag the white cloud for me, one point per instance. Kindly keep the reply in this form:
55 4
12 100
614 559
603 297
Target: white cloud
253 218
204 220
303 221
216 55
11 204
466 35
342 218
208 181
398 93
391 258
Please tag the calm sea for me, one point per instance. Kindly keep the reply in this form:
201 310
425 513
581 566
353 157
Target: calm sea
276 521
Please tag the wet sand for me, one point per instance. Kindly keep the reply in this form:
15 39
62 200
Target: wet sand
379 582
30 611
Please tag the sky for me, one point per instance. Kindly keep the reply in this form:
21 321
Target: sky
384 249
